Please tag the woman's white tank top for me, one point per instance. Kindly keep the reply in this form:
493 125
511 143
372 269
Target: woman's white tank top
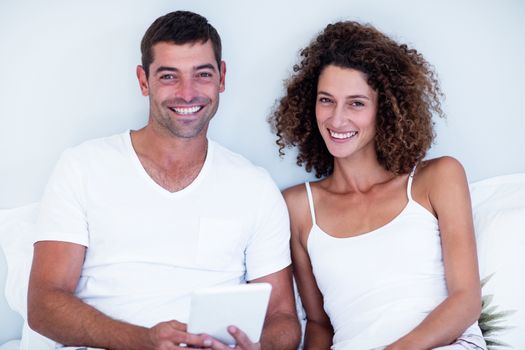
379 285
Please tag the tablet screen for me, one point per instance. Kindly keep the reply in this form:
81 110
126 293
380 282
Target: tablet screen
244 306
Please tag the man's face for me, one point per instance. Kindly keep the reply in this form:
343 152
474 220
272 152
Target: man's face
183 87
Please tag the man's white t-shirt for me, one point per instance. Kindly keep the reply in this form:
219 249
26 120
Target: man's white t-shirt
148 248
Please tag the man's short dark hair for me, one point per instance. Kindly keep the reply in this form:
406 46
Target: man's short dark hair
179 27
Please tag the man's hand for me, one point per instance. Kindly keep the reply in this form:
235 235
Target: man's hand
242 340
170 335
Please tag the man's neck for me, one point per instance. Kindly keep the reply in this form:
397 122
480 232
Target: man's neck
172 162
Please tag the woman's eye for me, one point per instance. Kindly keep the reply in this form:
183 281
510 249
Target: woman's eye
357 104
324 100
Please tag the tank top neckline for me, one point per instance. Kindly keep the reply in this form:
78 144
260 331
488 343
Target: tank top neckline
410 203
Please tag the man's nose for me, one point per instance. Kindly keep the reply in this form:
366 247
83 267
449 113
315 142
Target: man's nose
186 90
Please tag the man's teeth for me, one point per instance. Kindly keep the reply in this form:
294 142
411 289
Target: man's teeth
342 135
186 110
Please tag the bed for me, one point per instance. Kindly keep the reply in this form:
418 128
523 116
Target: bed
499 216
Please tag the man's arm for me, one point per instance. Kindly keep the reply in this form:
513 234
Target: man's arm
54 310
281 327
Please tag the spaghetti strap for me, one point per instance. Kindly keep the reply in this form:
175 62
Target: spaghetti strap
409 184
310 201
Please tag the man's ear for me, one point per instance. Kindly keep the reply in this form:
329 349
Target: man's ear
222 83
143 80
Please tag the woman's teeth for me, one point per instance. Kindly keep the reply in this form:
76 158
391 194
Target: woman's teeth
342 135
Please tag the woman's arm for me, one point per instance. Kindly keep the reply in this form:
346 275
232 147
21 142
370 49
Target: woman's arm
319 331
444 184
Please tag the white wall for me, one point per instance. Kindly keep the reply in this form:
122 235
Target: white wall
67 74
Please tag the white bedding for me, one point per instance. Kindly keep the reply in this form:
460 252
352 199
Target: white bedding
499 218
11 345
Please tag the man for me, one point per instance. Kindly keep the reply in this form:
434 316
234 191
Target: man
131 224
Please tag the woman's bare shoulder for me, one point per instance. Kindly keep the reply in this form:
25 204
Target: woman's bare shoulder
295 192
297 201
440 169
440 180
296 198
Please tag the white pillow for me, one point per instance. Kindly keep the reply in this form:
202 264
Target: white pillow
499 219
16 237
11 345
10 321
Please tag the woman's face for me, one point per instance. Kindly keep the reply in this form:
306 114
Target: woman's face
346 109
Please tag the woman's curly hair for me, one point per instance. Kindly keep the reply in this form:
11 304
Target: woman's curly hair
407 88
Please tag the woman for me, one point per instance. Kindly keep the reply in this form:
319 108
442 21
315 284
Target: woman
383 245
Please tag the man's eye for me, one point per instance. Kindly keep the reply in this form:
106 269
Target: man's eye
205 75
167 77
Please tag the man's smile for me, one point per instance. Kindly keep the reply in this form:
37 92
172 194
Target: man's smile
186 110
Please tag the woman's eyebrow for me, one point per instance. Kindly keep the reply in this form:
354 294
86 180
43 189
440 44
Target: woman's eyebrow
321 92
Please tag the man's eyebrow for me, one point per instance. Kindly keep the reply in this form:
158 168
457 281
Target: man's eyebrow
206 66
173 69
166 68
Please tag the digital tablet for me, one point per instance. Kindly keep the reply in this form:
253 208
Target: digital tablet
244 306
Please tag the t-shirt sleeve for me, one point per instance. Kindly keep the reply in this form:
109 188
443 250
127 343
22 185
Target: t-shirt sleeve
62 212
269 248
